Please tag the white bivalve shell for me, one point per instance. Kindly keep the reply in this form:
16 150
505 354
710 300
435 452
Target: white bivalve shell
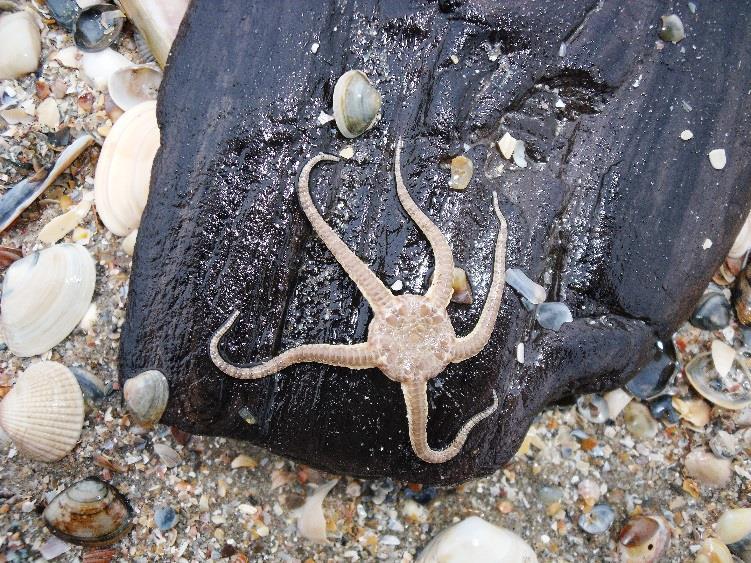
477 541
123 173
133 85
45 296
43 412
357 104
146 396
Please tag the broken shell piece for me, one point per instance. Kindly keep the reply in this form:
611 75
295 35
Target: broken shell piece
718 159
23 194
552 315
643 539
593 408
311 522
157 22
506 145
639 421
169 456
733 391
474 539
462 289
617 399
65 223
694 411
461 172
724 445
69 57
723 356
97 67
672 29
130 86
22 45
129 243
89 513
43 412
734 529
528 289
48 114
123 173
686 135
520 155
713 551
45 296
146 396
357 104
97 27
708 469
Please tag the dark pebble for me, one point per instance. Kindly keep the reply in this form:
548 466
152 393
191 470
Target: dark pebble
712 312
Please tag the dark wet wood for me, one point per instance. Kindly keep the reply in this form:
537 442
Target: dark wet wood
610 215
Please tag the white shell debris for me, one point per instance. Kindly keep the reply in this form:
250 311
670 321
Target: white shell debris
520 156
506 145
65 223
723 357
686 134
553 315
311 522
48 114
478 541
314 48
617 399
454 59
324 118
707 244
461 172
672 29
562 50
718 159
98 67
21 45
520 352
347 152
533 292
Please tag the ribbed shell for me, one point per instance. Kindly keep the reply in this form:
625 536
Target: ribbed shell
43 413
123 172
45 296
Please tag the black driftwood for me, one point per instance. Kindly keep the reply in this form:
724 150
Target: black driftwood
610 215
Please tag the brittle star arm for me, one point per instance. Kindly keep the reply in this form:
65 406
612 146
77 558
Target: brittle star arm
354 356
471 344
377 294
440 290
416 399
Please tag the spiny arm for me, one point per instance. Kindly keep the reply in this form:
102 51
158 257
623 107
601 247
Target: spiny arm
468 346
377 294
440 290
354 356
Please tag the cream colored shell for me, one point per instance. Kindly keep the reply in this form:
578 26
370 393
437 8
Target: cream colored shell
123 173
45 296
43 413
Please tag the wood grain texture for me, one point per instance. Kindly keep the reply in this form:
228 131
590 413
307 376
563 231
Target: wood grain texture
610 216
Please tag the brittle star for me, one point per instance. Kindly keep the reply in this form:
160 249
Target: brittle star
410 338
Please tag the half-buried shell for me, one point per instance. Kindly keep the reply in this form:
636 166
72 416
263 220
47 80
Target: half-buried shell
89 513
133 85
123 173
43 413
45 296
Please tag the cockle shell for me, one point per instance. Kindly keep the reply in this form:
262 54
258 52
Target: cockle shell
121 182
45 296
43 413
478 541
357 104
146 396
89 513
133 85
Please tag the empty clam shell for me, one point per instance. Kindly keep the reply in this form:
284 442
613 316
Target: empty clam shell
90 513
731 390
713 551
146 396
43 413
121 182
45 296
133 85
357 104
734 529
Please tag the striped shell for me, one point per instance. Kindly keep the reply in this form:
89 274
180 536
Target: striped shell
43 413
45 296
123 173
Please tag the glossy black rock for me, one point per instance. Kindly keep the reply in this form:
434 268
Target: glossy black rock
712 312
612 209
